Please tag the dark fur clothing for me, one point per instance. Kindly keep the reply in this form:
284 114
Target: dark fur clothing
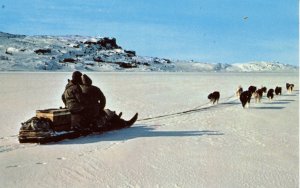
73 97
95 100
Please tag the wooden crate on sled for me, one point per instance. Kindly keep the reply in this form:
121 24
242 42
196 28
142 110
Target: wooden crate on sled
60 118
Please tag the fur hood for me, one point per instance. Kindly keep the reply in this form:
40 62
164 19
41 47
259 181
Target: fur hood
86 80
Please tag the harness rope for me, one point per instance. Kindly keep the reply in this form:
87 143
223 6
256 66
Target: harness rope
197 108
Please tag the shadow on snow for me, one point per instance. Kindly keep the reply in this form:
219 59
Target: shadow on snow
277 102
286 100
138 131
269 107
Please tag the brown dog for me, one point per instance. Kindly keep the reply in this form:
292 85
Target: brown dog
214 97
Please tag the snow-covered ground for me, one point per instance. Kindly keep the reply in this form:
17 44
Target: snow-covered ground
220 145
69 53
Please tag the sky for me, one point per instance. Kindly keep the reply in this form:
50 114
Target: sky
213 31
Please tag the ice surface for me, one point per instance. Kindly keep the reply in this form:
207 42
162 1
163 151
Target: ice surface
220 145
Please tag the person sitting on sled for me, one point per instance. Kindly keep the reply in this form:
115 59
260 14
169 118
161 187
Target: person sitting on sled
74 100
95 102
87 114
98 118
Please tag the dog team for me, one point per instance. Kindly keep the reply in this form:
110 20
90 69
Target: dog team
245 96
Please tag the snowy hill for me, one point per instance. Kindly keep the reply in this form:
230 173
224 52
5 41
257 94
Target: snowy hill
68 53
259 66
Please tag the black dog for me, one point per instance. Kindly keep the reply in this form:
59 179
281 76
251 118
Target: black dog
287 85
252 89
278 90
245 98
214 97
270 94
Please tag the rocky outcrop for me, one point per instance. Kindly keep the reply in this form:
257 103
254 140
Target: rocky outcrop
127 65
103 43
43 51
69 60
108 43
130 53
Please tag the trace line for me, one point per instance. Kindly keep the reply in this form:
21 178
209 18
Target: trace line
198 108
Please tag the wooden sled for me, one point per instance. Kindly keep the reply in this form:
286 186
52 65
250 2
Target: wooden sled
53 125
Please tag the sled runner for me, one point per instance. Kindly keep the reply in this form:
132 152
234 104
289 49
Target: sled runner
53 125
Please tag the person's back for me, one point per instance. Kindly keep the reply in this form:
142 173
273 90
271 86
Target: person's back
94 98
74 100
72 97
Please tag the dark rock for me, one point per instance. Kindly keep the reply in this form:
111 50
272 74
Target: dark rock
130 53
69 60
42 51
90 42
90 64
167 61
108 43
126 65
146 64
98 59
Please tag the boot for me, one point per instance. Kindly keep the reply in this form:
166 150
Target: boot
120 114
131 121
118 123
